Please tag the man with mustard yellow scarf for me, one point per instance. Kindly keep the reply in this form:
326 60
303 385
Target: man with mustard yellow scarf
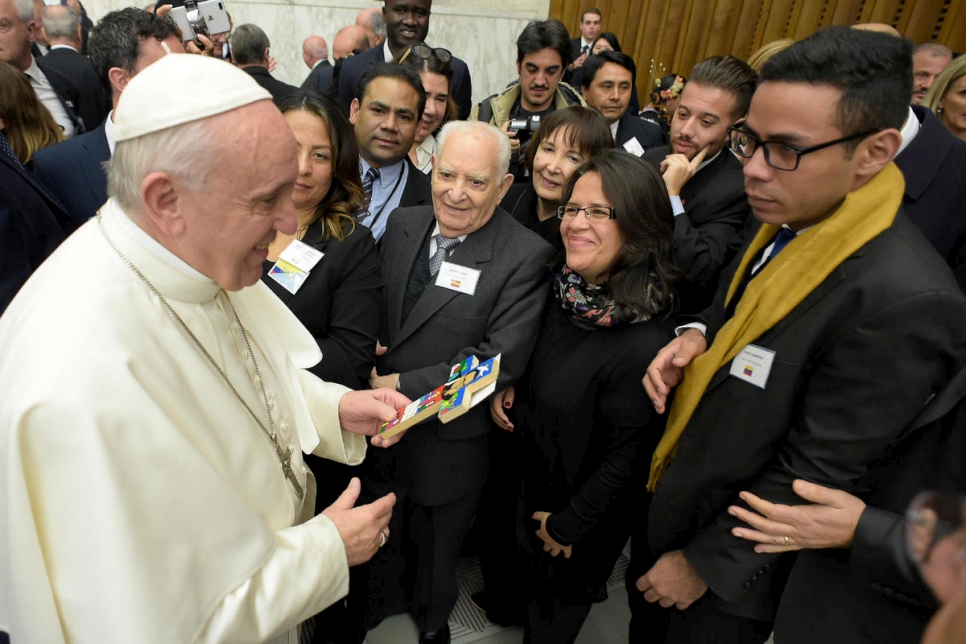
828 336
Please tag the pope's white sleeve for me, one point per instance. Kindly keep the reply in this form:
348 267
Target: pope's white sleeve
331 443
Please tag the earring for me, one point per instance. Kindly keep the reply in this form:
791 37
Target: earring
939 111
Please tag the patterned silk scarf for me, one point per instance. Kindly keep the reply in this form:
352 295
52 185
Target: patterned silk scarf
587 306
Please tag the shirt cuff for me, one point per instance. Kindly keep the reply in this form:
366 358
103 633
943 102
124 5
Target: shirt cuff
676 205
700 326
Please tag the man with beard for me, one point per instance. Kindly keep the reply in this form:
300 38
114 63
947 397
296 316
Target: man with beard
704 181
543 50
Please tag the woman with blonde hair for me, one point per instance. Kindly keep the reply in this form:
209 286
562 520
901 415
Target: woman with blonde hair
24 120
947 97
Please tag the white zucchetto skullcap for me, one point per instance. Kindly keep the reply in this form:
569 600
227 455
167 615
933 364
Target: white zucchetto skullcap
179 89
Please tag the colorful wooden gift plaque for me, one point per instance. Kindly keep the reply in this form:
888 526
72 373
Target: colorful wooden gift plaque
470 383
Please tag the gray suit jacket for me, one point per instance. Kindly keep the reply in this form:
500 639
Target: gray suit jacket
439 463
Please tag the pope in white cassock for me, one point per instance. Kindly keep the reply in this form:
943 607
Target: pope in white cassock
154 404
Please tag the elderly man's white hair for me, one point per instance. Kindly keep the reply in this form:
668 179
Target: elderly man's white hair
484 129
188 152
25 10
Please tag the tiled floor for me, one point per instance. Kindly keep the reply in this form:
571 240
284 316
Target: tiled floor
607 623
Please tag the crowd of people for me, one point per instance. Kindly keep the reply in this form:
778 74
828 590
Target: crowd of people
217 287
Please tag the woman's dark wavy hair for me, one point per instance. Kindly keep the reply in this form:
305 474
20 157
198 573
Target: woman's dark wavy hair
643 277
435 66
586 130
345 198
610 38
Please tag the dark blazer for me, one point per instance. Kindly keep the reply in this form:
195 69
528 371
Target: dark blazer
320 78
275 87
934 166
439 463
31 227
340 304
648 134
854 363
354 67
873 592
715 211
66 91
94 102
73 172
418 190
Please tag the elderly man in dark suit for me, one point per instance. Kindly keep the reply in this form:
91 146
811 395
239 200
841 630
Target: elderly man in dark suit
704 180
463 279
407 23
250 51
608 83
824 341
121 44
63 28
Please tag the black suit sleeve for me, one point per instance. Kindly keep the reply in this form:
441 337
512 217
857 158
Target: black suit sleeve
848 407
702 250
349 343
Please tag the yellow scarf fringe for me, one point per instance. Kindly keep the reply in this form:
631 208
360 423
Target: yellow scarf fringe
781 286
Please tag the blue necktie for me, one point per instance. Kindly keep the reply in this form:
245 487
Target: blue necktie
371 175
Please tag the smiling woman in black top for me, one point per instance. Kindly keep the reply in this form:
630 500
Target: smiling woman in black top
585 422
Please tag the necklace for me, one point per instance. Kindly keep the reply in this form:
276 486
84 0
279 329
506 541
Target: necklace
284 455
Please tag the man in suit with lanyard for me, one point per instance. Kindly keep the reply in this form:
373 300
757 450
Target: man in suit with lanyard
463 278
823 342
384 115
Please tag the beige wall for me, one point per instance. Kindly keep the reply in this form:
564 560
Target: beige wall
480 32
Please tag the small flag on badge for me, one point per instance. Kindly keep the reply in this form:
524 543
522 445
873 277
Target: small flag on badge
747 371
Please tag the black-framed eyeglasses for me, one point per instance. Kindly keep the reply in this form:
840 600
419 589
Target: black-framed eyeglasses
424 51
592 213
781 156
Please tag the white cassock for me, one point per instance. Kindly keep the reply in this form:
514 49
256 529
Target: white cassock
139 499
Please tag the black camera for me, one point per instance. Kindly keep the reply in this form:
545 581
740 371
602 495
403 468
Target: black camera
528 125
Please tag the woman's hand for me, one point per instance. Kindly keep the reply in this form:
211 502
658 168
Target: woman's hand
549 545
498 406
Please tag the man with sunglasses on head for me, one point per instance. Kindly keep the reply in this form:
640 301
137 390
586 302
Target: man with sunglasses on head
704 181
407 23
825 339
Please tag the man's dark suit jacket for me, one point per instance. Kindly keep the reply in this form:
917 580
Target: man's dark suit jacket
67 93
715 211
934 166
320 78
853 364
31 227
648 134
873 592
94 103
461 89
73 172
441 463
418 191
275 87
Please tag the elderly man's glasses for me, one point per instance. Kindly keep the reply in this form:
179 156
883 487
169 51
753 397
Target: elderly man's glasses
424 51
781 156
592 213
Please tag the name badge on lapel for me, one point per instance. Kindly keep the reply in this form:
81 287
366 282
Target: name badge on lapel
458 278
753 365
294 265
634 147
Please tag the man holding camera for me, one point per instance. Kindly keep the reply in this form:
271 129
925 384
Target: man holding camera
543 51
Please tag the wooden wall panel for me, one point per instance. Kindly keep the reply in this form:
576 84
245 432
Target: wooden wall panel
681 33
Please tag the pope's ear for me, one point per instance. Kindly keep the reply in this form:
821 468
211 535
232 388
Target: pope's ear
162 203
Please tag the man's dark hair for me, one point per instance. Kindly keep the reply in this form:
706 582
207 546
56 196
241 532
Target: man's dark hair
540 34
731 75
593 64
593 10
248 44
872 70
397 71
115 41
